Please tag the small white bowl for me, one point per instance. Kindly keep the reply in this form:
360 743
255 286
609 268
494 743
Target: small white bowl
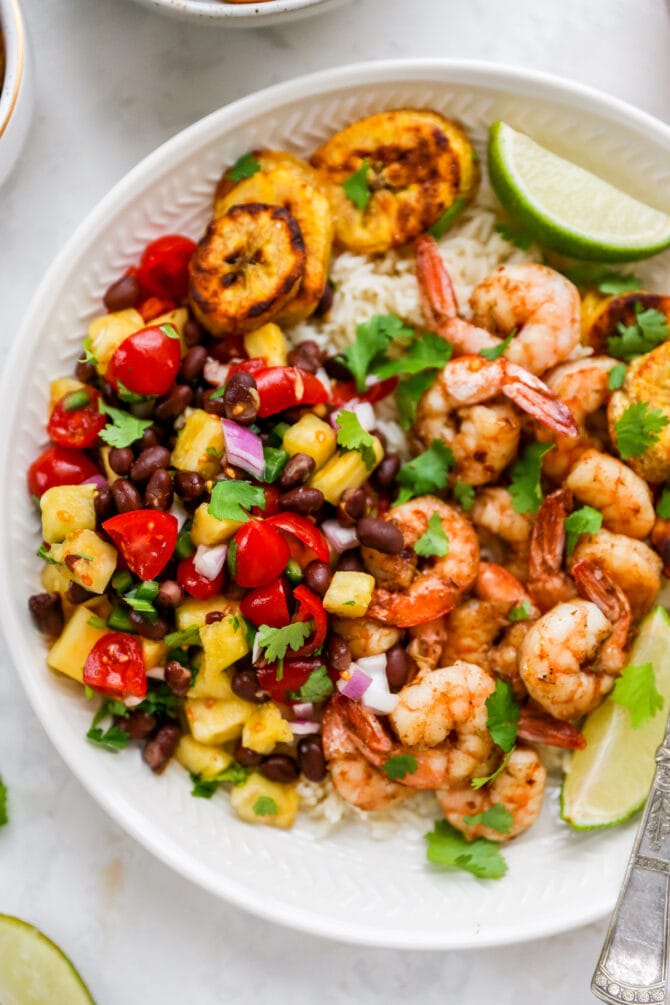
242 15
16 95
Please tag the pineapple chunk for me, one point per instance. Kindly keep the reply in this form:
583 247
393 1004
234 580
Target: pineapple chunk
199 444
349 594
224 643
87 559
200 759
109 331
60 387
153 653
177 319
68 653
193 612
310 435
206 529
110 474
66 508
214 721
269 343
211 683
346 470
265 728
260 801
54 579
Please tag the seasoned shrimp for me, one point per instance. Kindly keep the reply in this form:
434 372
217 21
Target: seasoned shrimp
630 563
366 637
547 583
519 789
493 514
537 726
609 485
540 304
428 642
412 591
485 438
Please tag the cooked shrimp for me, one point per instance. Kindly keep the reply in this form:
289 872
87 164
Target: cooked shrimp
609 485
540 304
428 642
537 726
415 590
519 789
493 514
634 566
485 439
547 583
366 637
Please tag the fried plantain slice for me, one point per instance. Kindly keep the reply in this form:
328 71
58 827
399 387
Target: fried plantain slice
601 316
409 165
246 268
285 180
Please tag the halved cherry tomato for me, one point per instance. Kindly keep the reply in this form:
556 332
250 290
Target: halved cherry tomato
281 387
272 497
59 466
310 607
347 391
146 538
258 554
252 366
163 269
267 605
115 666
146 362
295 673
153 307
195 583
76 420
305 531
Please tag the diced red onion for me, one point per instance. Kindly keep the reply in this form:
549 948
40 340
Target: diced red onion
322 376
256 651
98 480
208 562
243 448
179 513
373 665
378 697
214 372
131 701
339 538
156 673
303 710
355 685
303 727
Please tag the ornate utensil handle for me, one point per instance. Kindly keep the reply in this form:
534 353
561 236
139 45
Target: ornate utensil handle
633 965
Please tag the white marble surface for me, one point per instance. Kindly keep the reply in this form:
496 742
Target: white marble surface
113 81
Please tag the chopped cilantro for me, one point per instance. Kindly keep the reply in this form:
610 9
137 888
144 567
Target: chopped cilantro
372 338
446 221
649 329
515 235
76 400
43 552
503 715
525 488
88 356
426 473
477 783
425 352
636 690
245 167
132 397
638 428
235 622
114 738
124 429
616 376
496 351
408 394
449 849
218 393
583 521
602 278
265 806
433 541
663 507
170 331
520 612
356 187
316 688
352 436
277 641
497 817
161 701
399 766
188 637
464 495
230 499
4 813
204 788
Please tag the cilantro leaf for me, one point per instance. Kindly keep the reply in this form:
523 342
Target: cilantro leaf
187 637
663 507
244 167
356 187
426 352
649 329
230 499
161 701
204 788
449 849
113 738
317 687
265 806
477 783
497 817
446 221
604 279
43 552
433 541
277 641
372 338
636 690
124 429
352 436
525 488
583 521
408 394
426 473
4 813
515 235
520 612
132 397
616 376
88 356
638 428
464 495
399 766
503 715
496 351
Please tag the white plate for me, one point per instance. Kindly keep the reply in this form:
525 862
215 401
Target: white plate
346 886
241 15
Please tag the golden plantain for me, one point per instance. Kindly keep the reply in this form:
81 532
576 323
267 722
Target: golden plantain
602 315
246 268
285 180
418 163
647 379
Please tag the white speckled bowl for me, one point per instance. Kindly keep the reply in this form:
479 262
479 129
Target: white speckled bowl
241 15
16 96
347 885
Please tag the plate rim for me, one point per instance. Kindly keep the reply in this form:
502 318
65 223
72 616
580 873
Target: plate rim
476 72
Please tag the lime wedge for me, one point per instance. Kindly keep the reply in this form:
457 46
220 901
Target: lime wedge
567 208
609 780
33 970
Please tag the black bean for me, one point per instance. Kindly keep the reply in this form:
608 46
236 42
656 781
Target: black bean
170 594
296 472
306 356
110 396
192 332
311 758
385 474
192 363
279 768
177 677
245 685
339 653
380 436
213 616
383 535
160 749
150 460
159 492
302 500
137 725
85 372
189 485
155 632
335 369
326 301
122 294
318 577
351 507
77 594
246 757
212 402
176 402
126 497
241 399
47 612
103 503
121 459
151 437
350 562
397 668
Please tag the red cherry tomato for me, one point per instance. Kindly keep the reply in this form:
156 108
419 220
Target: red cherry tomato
310 608
281 387
272 497
347 391
59 466
259 554
295 674
153 307
163 269
196 584
305 531
115 666
267 605
146 538
75 420
146 362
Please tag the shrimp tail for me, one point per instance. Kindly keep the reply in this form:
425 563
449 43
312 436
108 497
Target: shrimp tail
546 583
435 287
533 396
594 584
540 727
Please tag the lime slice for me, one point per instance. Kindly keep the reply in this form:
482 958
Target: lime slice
609 780
567 208
33 971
